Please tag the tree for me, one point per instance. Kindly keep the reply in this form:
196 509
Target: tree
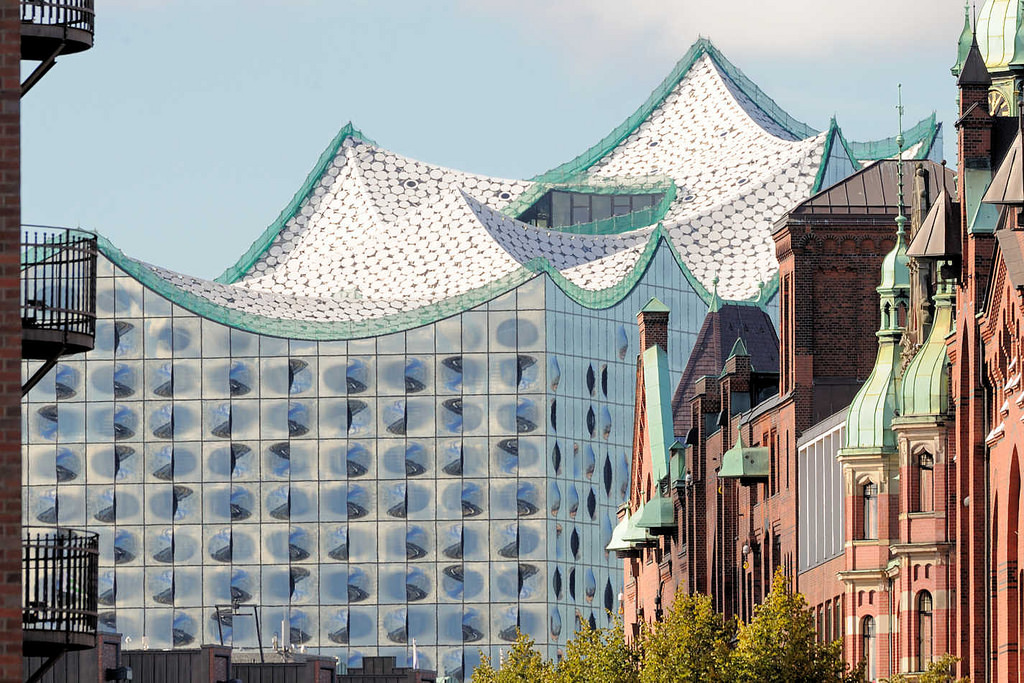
599 654
522 663
780 644
941 670
691 644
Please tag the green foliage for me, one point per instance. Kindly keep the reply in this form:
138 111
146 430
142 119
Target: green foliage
941 670
522 663
780 645
599 655
691 644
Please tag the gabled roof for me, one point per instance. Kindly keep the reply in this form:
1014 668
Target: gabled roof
715 342
377 242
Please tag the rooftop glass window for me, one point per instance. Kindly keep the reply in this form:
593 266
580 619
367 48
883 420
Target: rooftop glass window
558 209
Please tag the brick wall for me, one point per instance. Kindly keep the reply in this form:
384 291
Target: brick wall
10 343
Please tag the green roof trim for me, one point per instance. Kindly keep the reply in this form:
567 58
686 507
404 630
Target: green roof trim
982 218
658 393
634 534
740 462
739 349
964 45
869 419
659 513
701 47
655 306
925 131
925 386
617 543
357 329
263 242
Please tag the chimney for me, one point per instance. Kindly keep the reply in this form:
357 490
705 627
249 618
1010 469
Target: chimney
653 322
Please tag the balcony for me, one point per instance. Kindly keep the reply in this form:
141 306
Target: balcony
59 571
58 293
51 27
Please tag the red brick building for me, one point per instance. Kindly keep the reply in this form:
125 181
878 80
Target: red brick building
752 483
899 515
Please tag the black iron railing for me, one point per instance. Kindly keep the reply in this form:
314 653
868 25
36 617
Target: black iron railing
59 573
58 281
78 14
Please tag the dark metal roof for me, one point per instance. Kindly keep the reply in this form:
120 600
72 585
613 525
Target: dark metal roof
1007 186
974 71
714 344
873 190
939 234
1011 246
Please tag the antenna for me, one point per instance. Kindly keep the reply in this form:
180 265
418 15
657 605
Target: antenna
900 140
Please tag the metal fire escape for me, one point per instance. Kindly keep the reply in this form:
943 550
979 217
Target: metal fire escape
51 28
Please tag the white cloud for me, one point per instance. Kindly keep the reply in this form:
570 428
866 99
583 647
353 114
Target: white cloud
591 31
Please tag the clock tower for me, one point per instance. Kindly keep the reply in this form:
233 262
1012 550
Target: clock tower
1000 32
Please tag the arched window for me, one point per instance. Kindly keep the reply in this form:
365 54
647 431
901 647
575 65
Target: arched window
926 465
925 632
870 495
867 631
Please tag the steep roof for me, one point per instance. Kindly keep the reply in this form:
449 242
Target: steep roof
375 241
718 337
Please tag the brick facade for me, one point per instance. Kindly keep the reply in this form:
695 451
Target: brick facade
10 342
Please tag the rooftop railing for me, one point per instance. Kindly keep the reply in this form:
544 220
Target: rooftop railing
58 292
60 570
47 24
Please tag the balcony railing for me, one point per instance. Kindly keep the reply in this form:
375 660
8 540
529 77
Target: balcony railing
60 569
46 24
58 292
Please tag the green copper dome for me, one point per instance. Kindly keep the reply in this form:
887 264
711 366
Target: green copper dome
964 46
925 386
895 265
997 27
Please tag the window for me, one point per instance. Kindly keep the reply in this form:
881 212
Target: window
867 631
925 480
829 636
870 496
558 209
924 630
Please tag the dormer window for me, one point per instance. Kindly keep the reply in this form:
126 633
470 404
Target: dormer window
558 209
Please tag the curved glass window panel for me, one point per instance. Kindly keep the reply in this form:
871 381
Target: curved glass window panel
357 376
300 417
531 584
574 543
184 629
450 541
420 500
554 622
336 543
303 460
591 379
68 465
452 581
474 627
357 460
300 628
591 504
392 460
418 586
554 373
394 499
554 498
302 583
360 584
359 418
300 376
160 586
474 373
300 544
505 621
359 503
391 376
527 373
556 458
621 342
126 546
279 503
472 500
221 547
394 417
572 586
527 416
218 419
476 535
604 379
527 499
573 500
127 339
450 374
452 458
160 544
606 423
185 503
591 421
160 379
417 542
106 593
67 381
242 505
589 461
606 474
363 626
589 585
336 625
126 422
506 540
417 375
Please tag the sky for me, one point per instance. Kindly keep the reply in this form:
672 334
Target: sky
190 125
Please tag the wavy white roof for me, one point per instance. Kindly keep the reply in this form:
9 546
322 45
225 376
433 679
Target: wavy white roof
374 233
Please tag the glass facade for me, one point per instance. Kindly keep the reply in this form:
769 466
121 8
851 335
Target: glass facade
444 484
